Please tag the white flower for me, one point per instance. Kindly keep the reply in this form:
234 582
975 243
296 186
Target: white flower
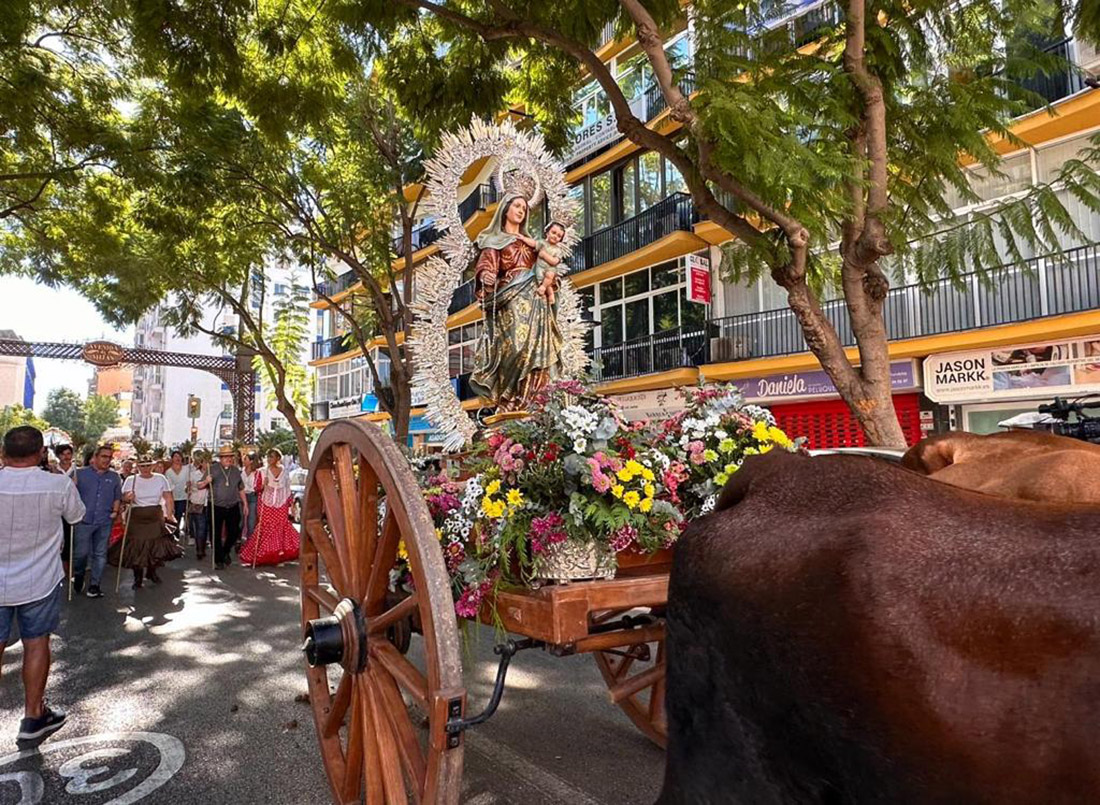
579 445
708 505
720 434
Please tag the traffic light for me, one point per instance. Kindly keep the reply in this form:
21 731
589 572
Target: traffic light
194 406
194 434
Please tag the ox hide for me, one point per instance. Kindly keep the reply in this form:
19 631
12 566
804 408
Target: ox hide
842 630
1031 465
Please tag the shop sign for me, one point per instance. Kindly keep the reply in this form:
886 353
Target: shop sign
802 385
225 432
698 279
656 404
345 407
599 133
102 353
1014 372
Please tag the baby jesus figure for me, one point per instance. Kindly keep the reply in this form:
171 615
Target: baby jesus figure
550 255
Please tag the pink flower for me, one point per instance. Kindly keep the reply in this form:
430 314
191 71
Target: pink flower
696 446
623 538
697 458
517 450
547 530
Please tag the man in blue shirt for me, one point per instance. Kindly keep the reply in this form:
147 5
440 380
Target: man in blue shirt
100 489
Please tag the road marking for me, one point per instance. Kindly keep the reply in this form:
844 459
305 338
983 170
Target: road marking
554 787
31 785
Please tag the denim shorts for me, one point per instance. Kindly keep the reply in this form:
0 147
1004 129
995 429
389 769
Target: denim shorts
36 619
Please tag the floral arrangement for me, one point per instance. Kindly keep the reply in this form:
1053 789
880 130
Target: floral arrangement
707 442
575 472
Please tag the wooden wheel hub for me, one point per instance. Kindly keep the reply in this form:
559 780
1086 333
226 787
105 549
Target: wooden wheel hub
340 638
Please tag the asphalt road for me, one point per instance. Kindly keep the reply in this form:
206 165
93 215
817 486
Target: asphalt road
185 693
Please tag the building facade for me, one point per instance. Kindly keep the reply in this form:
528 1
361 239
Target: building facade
643 239
16 377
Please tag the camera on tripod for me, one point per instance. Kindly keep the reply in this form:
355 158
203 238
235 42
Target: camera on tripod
1086 428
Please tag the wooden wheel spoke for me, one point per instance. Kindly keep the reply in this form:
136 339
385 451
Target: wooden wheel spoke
372 767
398 714
334 513
352 784
406 674
393 781
368 513
403 609
657 695
323 597
344 474
628 687
385 556
339 707
325 548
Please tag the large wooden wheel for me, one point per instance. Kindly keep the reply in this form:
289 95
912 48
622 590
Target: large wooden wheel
635 677
360 683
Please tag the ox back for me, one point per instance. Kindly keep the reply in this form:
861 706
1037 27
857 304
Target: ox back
842 630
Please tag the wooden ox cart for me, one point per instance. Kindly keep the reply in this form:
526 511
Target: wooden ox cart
370 694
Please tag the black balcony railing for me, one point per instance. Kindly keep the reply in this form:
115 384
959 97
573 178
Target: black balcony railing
336 345
337 285
421 238
463 297
655 102
675 213
1068 282
660 352
480 199
1059 83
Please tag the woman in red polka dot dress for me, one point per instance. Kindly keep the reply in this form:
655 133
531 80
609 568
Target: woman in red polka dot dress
275 540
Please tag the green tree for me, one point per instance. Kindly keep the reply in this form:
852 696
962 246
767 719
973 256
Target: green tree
288 336
100 413
13 416
824 161
278 438
65 410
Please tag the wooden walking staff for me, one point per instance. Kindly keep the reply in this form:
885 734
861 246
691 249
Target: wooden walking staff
72 545
122 551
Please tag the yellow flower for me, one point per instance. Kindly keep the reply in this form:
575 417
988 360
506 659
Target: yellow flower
710 455
439 534
493 487
514 497
498 509
624 474
402 553
487 505
617 490
727 445
632 499
634 467
731 468
650 490
760 432
647 474
721 479
780 438
751 451
646 505
765 448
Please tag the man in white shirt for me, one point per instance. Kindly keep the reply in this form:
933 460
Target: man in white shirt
32 506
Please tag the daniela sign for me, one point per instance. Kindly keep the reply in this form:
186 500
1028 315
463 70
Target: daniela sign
102 353
799 385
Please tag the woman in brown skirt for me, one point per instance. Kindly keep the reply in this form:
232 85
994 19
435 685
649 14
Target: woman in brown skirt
147 545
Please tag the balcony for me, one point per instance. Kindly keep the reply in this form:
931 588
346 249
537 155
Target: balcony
1068 282
463 297
655 102
338 285
674 214
422 237
1059 84
480 199
660 352
336 345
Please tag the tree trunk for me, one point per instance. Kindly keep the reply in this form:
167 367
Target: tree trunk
402 405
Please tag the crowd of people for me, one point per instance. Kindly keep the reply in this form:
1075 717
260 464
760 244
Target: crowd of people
60 521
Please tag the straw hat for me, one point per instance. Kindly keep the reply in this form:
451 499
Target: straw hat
145 460
227 450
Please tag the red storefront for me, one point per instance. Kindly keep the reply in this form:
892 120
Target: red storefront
806 404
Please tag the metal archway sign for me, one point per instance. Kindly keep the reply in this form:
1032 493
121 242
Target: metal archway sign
234 370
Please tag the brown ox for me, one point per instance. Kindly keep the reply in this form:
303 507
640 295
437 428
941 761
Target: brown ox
844 631
1031 465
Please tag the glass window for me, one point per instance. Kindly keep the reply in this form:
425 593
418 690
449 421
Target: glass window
678 53
601 200
636 283
667 274
665 312
454 336
576 197
469 332
692 314
632 76
649 179
611 291
588 297
611 325
629 183
637 319
674 182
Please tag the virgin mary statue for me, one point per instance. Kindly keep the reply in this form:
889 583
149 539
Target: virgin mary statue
521 353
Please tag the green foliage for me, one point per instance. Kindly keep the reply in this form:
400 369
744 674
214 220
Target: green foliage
287 337
65 409
13 416
280 438
141 446
100 414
